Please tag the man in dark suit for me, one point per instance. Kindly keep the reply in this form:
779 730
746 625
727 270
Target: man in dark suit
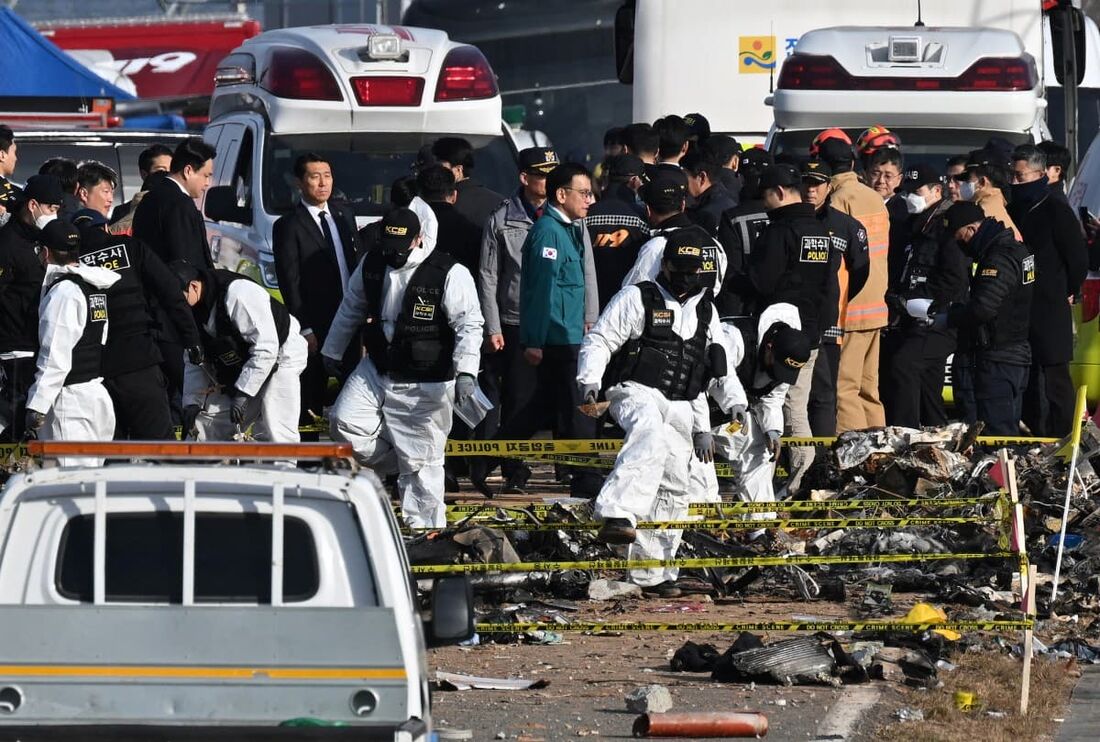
458 236
168 221
475 201
316 249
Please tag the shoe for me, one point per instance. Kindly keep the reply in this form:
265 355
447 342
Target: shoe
515 486
479 472
450 483
616 531
663 590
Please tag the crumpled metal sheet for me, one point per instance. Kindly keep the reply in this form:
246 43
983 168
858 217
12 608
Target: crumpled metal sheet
803 660
857 446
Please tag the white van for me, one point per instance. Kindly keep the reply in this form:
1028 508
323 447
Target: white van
366 97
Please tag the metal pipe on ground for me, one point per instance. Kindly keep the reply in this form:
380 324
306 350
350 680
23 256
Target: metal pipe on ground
702 724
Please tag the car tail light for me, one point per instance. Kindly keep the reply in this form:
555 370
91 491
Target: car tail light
466 75
998 73
295 73
813 72
388 91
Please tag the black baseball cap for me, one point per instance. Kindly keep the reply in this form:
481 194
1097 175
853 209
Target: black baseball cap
61 236
817 171
45 189
790 351
89 218
666 190
625 166
918 176
780 175
684 247
756 158
399 228
960 214
836 151
700 127
540 160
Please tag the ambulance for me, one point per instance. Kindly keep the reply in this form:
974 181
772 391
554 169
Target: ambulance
366 97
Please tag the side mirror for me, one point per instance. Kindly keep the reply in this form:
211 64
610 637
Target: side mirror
624 42
221 206
452 612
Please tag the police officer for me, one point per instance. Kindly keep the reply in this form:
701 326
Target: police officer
617 225
131 361
21 274
792 264
849 266
9 192
932 267
991 365
254 353
67 400
768 354
665 199
741 226
423 330
654 343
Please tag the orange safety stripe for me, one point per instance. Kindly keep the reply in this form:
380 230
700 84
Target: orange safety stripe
211 673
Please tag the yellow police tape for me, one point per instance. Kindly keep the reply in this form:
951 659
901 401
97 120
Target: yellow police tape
737 525
702 563
722 509
596 626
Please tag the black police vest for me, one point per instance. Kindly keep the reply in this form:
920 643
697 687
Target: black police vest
129 310
1012 325
228 351
660 358
87 356
422 349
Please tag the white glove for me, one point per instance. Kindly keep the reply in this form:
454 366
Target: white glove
918 308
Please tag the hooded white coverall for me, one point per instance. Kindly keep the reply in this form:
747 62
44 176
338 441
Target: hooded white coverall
650 480
747 449
271 371
74 412
402 426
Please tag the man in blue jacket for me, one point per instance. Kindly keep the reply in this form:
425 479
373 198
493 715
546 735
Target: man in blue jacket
552 318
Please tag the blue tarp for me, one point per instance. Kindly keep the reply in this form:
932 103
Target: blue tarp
32 66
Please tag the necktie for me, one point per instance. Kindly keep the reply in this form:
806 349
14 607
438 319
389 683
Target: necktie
327 232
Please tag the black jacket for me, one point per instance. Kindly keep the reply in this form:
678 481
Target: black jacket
1053 233
21 276
995 320
738 232
476 202
308 271
790 263
731 179
168 221
618 232
709 207
458 236
849 251
899 240
935 266
145 283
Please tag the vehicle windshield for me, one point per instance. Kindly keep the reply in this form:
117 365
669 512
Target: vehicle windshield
928 146
364 167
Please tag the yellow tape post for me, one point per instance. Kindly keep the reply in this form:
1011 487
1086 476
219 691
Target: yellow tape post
738 525
723 627
702 563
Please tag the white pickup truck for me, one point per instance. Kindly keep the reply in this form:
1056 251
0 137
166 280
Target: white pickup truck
192 600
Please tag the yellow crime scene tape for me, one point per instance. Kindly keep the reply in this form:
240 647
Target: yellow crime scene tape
739 525
701 563
704 626
723 509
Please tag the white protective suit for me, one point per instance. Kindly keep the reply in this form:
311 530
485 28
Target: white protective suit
271 371
747 450
650 480
74 412
648 263
403 427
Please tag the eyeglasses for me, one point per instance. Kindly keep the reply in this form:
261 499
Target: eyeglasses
884 175
585 194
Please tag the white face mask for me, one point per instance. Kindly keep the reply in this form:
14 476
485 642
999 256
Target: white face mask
915 203
967 189
43 220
